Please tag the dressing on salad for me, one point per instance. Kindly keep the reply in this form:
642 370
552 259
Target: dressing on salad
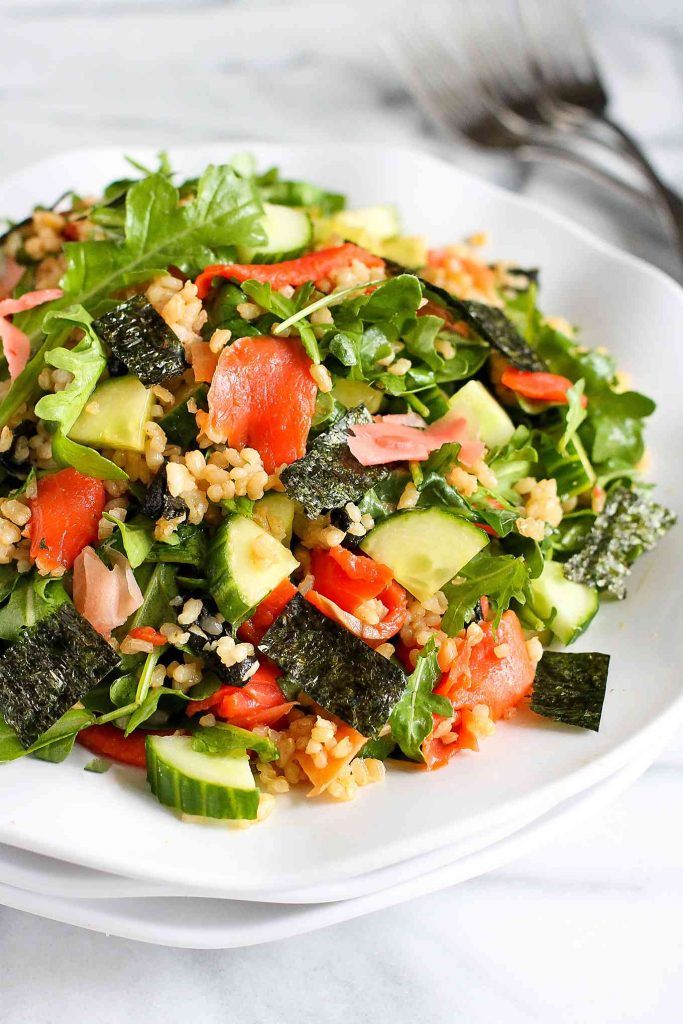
287 495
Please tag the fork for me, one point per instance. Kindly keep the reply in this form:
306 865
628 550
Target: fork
572 91
487 85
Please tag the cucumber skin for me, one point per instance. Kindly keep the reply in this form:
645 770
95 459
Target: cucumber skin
222 585
190 796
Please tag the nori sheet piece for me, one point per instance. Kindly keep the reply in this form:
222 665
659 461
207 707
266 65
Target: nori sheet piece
142 340
158 503
629 525
490 323
333 667
329 476
570 688
48 668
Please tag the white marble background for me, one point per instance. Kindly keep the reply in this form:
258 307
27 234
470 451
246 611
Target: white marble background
587 930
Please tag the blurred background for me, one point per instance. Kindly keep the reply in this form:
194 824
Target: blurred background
92 72
582 931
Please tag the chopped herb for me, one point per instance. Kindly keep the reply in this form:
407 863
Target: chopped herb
49 667
570 688
333 667
630 524
142 340
329 476
98 765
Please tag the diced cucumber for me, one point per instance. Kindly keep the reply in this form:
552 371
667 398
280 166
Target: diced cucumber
380 222
208 785
288 230
243 565
574 604
376 228
424 548
179 424
275 513
115 416
408 250
351 393
485 416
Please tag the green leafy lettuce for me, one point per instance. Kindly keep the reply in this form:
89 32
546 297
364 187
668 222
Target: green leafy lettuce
86 362
411 719
502 578
157 232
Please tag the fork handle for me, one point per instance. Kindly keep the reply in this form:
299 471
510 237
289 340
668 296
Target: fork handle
547 152
669 198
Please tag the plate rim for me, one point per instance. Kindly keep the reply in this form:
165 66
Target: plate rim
550 792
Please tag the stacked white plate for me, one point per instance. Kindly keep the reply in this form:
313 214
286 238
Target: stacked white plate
96 850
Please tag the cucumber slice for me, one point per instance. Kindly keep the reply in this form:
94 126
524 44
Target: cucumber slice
408 250
574 604
208 785
244 565
352 393
275 513
115 416
485 417
380 222
424 548
288 230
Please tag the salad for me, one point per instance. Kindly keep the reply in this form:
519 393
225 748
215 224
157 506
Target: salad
287 495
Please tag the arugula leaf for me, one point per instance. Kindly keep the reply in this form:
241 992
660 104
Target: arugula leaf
32 599
615 422
300 193
149 706
10 747
572 470
513 461
435 490
396 298
86 460
502 578
570 688
56 744
629 525
225 212
86 361
158 589
574 416
231 740
159 232
137 537
420 339
411 718
8 580
188 544
284 309
380 748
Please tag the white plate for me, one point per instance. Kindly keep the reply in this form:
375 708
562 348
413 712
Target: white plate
50 877
227 924
111 823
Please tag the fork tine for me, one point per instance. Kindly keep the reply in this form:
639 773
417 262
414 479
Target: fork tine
560 45
448 92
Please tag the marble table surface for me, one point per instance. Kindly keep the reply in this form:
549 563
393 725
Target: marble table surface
588 928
